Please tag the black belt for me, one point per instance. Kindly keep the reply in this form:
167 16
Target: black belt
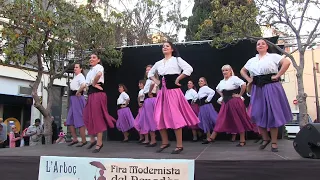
189 101
202 101
170 80
146 96
95 90
262 80
73 93
141 102
119 106
227 94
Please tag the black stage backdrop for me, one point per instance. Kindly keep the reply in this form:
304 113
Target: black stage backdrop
205 60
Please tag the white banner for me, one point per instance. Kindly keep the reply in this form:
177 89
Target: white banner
78 168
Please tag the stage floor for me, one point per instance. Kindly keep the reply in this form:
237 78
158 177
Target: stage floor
221 160
220 150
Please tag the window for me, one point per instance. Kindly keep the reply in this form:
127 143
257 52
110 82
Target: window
285 78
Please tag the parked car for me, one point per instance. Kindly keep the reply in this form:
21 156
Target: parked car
293 127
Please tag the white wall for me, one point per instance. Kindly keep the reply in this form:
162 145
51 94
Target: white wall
12 78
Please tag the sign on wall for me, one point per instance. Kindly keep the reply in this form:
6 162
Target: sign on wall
78 168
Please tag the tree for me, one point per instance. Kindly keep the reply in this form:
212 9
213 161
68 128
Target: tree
135 24
48 34
292 17
201 11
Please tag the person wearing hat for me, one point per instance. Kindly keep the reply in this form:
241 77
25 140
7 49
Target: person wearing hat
35 132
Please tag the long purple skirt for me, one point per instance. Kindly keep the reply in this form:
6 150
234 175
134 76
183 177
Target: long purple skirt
147 122
137 121
172 110
207 117
95 114
125 120
195 108
75 113
233 117
270 106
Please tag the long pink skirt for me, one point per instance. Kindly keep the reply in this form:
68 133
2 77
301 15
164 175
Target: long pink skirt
95 114
233 117
172 110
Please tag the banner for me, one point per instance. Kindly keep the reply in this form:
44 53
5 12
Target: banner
79 168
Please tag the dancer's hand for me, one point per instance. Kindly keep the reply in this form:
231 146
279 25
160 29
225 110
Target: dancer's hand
275 78
177 82
140 104
150 95
123 106
78 94
98 86
157 82
236 95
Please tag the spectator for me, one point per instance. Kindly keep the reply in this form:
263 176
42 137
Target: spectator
35 132
3 136
15 138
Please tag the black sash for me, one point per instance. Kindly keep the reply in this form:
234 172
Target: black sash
119 106
202 101
170 80
141 102
146 96
262 80
190 101
73 93
227 94
95 90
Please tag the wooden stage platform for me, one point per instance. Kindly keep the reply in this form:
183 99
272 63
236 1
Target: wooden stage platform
219 160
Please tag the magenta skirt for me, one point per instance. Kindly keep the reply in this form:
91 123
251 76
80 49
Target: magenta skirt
95 114
172 110
195 108
233 117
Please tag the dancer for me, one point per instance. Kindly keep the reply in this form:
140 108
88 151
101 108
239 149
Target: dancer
172 110
95 113
207 114
140 101
232 116
147 122
192 96
76 105
125 119
269 103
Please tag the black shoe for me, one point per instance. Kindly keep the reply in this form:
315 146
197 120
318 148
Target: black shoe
97 150
274 149
125 141
206 141
92 144
165 146
241 144
82 144
263 146
178 150
73 143
140 141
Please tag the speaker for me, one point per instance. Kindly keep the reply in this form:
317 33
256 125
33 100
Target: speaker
307 141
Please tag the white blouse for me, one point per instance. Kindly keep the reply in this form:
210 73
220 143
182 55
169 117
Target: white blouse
146 88
206 91
268 64
141 95
77 81
174 65
92 74
191 94
123 97
234 82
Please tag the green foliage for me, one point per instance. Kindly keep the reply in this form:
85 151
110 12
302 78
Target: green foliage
54 29
146 17
230 21
201 11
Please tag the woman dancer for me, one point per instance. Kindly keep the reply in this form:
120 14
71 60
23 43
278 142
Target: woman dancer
172 110
125 118
147 122
269 103
232 116
76 105
140 103
207 114
192 96
95 114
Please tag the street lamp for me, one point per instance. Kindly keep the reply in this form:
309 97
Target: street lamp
315 81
